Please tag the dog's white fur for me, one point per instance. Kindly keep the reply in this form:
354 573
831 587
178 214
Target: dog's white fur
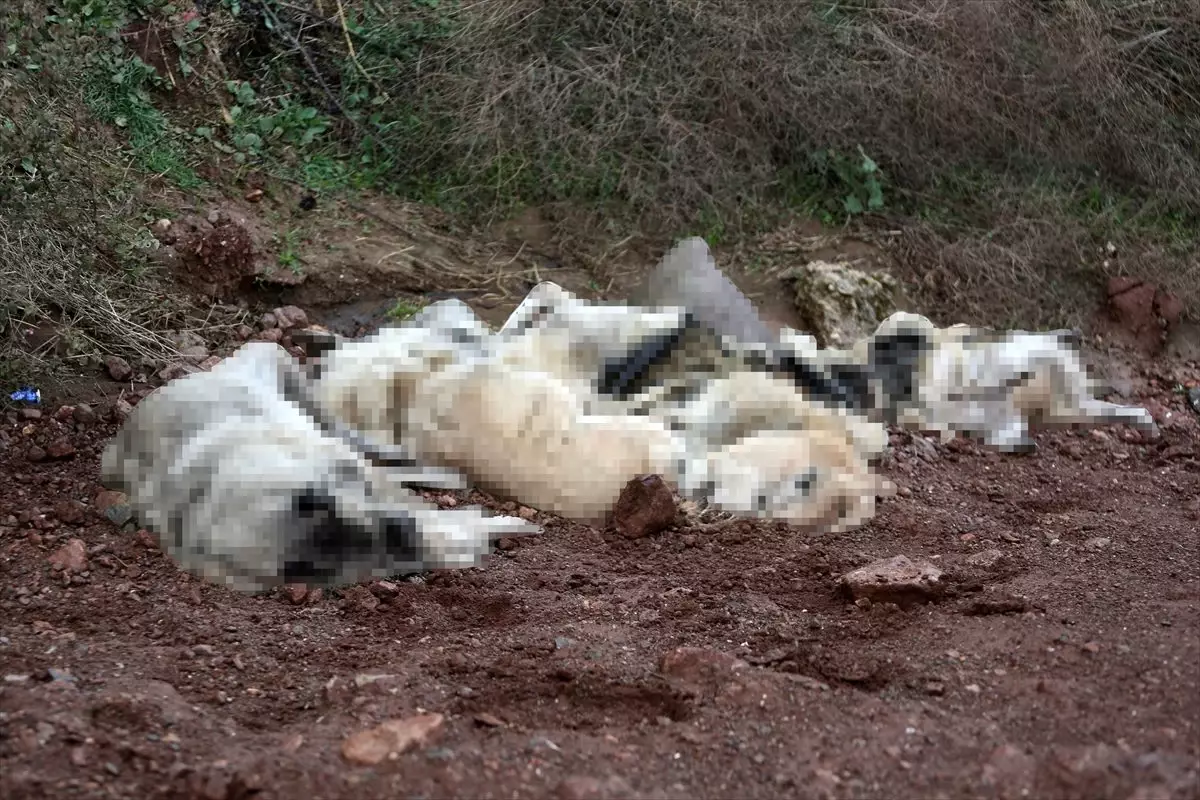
212 463
522 418
996 384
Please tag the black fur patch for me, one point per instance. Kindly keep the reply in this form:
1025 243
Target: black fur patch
329 541
621 377
894 361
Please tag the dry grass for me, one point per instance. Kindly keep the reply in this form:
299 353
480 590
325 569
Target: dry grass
1025 133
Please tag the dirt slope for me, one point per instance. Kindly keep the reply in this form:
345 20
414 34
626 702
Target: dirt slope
1061 660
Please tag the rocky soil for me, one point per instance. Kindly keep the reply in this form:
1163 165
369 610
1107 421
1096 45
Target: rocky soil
1006 627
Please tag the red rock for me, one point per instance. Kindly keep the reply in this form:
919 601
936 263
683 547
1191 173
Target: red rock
70 511
60 448
269 335
289 317
118 368
107 499
295 593
894 580
390 739
645 507
71 557
698 668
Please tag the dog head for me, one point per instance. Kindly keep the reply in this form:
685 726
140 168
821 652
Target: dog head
895 353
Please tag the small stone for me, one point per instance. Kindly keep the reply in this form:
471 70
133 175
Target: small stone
83 414
985 559
289 317
31 413
1091 647
487 720
1097 543
273 335
390 739
646 506
254 195
896 580
35 454
295 593
526 513
973 688
194 354
935 688
71 512
904 491
359 598
243 332
118 368
267 321
71 557
60 448
698 668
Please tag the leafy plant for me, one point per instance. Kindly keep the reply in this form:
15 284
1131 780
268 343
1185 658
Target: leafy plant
855 185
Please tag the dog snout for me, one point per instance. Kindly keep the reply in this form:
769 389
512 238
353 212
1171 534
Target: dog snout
327 541
402 538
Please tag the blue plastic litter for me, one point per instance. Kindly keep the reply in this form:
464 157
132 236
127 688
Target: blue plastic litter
26 394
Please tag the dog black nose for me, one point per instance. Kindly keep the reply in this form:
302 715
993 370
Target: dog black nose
402 538
327 542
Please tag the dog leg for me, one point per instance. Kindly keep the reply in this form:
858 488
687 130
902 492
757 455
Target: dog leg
1012 437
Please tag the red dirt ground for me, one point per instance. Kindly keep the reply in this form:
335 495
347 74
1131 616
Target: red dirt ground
1063 659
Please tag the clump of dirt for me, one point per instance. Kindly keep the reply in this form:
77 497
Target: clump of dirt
212 257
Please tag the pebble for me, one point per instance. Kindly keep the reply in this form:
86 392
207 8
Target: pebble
84 414
295 593
698 667
390 739
71 557
71 512
894 580
1097 543
269 335
289 317
31 413
985 559
488 720
60 448
646 506
118 368
35 454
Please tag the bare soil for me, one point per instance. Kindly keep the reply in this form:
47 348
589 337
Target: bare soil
1062 658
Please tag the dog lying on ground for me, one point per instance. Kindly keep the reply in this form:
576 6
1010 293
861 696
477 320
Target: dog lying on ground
985 383
248 484
529 413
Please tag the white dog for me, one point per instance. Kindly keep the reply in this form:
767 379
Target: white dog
542 411
234 473
991 384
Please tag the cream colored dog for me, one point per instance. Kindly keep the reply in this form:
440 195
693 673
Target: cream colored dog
526 414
